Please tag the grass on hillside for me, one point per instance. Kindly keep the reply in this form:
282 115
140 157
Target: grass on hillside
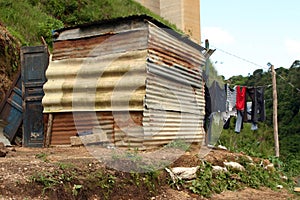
259 143
28 20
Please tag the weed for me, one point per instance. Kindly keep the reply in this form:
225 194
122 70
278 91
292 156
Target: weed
202 184
42 156
135 178
178 144
75 189
49 180
133 156
64 166
104 181
46 179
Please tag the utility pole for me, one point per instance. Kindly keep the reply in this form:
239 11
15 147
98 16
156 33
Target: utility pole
275 125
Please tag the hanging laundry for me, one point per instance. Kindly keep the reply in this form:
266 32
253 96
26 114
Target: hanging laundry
230 98
239 121
240 97
218 97
240 107
258 104
207 108
215 127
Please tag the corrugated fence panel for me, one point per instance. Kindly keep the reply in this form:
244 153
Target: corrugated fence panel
163 127
175 105
106 83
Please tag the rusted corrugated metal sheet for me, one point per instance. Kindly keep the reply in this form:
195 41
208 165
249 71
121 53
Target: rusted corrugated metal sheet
66 125
113 124
162 127
175 105
114 82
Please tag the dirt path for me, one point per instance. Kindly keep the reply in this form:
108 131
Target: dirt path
22 165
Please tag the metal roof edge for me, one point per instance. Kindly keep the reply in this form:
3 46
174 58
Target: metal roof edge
143 17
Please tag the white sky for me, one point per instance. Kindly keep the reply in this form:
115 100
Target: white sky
259 31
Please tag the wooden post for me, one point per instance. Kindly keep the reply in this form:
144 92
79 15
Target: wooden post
275 125
49 130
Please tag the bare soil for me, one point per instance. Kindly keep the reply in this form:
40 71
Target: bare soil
22 165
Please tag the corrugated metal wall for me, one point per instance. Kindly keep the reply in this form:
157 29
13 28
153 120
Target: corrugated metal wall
97 70
174 91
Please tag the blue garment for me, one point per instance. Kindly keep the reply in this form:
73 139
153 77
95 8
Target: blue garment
239 121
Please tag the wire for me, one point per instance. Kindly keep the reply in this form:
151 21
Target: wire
240 58
253 63
292 85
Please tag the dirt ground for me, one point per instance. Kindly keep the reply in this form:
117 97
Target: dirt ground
29 173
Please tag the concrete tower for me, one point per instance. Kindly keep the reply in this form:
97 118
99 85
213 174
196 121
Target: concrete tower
184 13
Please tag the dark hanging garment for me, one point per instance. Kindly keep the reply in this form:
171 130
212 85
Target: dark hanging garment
227 123
207 108
218 98
258 104
240 98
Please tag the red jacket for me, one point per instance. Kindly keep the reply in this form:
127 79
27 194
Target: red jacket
240 98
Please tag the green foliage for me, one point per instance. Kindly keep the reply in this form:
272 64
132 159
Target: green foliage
254 143
75 189
106 182
261 143
202 185
23 20
148 180
49 180
209 182
178 144
46 27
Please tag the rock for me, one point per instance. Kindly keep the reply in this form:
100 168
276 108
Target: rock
186 173
219 169
234 165
270 167
285 178
2 146
279 186
3 153
250 159
222 147
3 150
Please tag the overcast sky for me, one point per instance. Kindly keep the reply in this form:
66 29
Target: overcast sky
252 32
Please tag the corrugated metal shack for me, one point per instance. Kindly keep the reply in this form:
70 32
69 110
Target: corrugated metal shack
134 79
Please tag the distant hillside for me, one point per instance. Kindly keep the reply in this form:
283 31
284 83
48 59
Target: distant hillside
28 20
